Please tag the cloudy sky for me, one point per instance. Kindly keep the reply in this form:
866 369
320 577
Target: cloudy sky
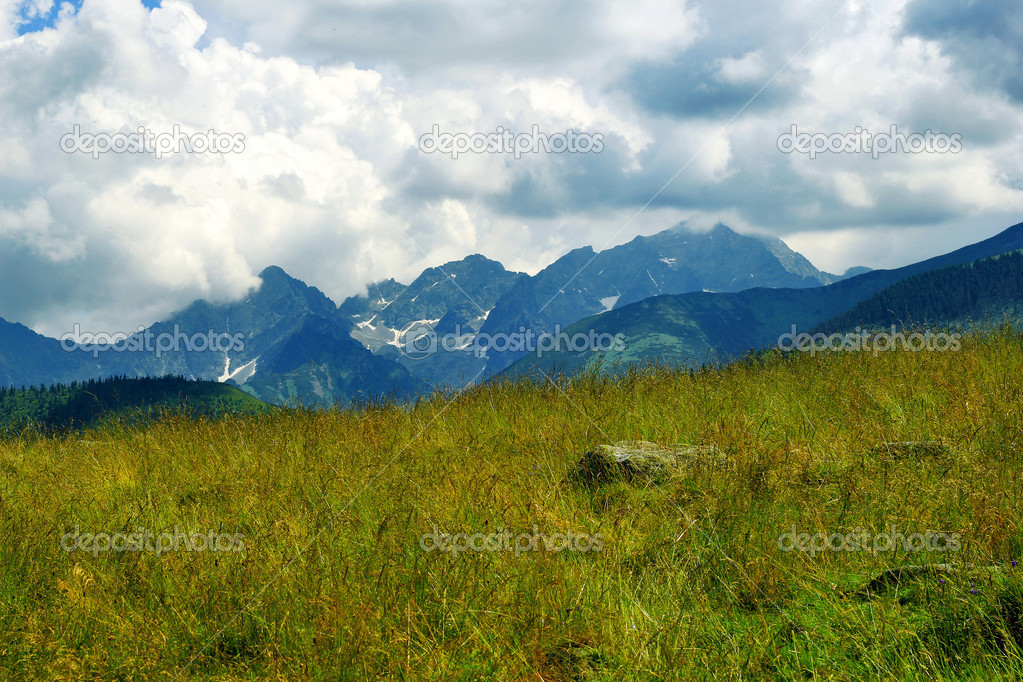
325 105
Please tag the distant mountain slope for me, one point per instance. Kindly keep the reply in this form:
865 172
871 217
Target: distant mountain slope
28 358
457 296
321 365
362 310
678 260
287 341
852 272
699 327
989 288
80 405
268 315
461 291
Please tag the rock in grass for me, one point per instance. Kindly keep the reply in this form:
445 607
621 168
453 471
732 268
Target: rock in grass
911 449
902 574
643 461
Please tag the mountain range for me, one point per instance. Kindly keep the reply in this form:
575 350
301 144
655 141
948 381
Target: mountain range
478 296
697 328
680 295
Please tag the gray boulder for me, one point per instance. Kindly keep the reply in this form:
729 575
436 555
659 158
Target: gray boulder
911 449
643 461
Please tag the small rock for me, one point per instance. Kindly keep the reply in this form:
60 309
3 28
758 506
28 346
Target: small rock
628 460
911 449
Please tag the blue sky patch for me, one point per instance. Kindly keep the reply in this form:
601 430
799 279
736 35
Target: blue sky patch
31 21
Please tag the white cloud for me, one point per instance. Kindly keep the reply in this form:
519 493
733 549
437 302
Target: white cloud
35 226
748 69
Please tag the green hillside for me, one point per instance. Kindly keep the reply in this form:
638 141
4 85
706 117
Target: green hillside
987 290
89 403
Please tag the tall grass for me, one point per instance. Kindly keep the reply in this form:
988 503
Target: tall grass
690 581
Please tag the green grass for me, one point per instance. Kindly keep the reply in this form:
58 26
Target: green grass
690 581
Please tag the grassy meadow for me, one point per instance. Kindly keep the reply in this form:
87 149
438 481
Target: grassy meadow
689 580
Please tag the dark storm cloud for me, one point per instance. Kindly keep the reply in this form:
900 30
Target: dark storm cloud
984 39
692 85
540 185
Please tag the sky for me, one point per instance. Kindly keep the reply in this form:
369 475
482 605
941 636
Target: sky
317 112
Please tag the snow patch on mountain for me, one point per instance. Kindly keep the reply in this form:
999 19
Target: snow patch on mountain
609 302
240 375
